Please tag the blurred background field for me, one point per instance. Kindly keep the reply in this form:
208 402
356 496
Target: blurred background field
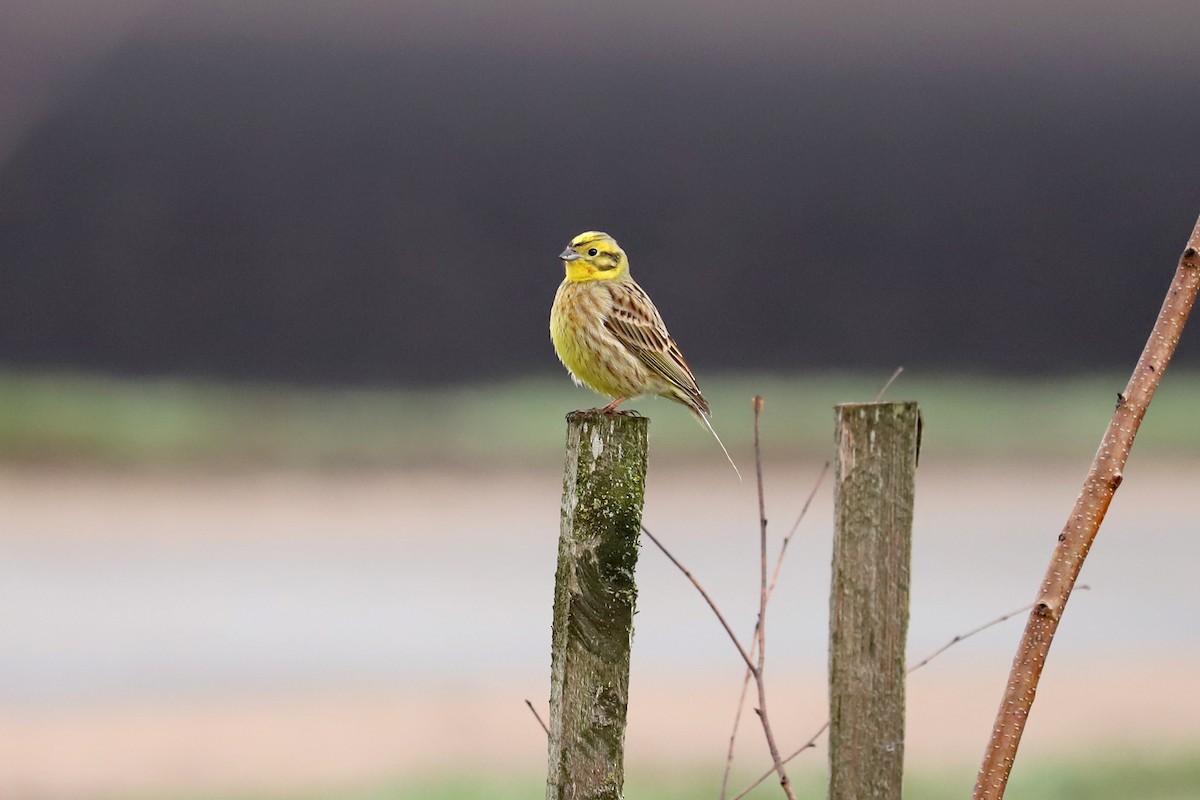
1116 776
304 628
64 419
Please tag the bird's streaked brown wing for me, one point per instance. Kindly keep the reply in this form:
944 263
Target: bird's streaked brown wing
636 323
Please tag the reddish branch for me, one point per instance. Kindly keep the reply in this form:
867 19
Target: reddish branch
1084 523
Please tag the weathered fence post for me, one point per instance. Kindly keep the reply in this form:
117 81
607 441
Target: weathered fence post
877 447
594 596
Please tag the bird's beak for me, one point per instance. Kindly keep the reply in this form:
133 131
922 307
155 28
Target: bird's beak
569 255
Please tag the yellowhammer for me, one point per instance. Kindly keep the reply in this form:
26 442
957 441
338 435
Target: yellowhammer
611 338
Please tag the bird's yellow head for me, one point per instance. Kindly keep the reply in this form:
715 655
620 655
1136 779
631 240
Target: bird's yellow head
594 256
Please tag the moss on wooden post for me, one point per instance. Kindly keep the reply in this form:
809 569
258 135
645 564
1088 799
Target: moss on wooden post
868 607
594 597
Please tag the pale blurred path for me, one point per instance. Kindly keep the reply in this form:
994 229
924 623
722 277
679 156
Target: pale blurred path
283 630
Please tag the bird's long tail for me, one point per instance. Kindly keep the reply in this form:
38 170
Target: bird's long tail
704 418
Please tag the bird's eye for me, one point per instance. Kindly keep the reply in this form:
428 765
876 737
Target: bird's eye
593 251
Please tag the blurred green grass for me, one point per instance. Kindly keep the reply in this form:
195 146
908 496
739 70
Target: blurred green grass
1118 774
60 418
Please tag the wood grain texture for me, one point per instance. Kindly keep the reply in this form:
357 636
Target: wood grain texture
877 447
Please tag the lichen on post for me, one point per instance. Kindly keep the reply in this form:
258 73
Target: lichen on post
594 598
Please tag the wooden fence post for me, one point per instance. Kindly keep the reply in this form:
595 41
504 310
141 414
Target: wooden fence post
594 595
877 446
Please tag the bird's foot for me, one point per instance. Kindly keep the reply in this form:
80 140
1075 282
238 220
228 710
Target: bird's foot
608 411
611 408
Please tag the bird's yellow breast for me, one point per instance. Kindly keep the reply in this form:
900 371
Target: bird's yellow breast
585 347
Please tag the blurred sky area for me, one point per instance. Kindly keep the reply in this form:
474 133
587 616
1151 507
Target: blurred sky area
375 192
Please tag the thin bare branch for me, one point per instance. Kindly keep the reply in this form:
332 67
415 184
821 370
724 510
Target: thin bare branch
811 743
537 716
760 628
800 517
888 385
784 781
741 704
960 637
720 617
737 721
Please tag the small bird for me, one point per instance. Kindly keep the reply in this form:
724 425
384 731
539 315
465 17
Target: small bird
611 338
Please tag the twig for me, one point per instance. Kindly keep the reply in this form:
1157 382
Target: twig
1081 527
741 704
537 716
755 668
889 383
720 617
737 721
811 743
784 781
962 637
973 631
799 518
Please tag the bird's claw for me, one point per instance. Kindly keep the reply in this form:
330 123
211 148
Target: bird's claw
608 412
